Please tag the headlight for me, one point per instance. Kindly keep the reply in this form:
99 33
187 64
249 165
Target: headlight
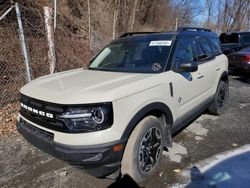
89 118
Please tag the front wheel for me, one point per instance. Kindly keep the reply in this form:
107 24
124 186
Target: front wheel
144 150
220 100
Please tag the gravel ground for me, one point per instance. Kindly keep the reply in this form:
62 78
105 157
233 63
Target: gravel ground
8 119
22 165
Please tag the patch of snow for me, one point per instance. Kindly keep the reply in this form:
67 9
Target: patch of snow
207 116
175 153
197 129
198 138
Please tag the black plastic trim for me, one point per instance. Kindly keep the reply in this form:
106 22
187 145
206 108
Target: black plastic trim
157 106
136 33
98 160
56 123
223 75
171 89
190 116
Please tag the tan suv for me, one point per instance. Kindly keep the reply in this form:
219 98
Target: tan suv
116 116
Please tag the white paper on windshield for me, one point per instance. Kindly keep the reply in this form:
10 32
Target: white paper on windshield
161 43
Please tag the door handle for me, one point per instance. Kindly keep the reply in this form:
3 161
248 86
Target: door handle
217 68
199 76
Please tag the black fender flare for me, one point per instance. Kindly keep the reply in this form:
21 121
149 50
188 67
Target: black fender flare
224 77
148 110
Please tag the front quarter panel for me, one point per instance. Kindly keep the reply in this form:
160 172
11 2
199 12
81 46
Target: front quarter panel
125 109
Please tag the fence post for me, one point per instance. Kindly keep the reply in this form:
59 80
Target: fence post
89 23
55 12
50 38
23 42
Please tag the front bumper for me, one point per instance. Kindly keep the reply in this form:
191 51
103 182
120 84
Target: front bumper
97 160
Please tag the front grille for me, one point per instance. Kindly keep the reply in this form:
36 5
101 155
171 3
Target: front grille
50 123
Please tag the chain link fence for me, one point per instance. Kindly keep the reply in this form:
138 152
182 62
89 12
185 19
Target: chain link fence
12 70
71 49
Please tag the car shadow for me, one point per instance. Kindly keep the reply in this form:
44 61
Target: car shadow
245 80
125 182
231 172
242 77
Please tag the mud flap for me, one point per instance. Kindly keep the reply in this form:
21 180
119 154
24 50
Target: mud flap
167 133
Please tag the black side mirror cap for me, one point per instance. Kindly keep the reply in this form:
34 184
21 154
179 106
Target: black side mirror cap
191 66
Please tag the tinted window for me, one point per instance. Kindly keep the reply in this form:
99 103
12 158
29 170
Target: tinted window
229 38
204 50
185 51
215 44
245 39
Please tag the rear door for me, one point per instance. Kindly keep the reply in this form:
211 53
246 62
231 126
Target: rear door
219 60
207 66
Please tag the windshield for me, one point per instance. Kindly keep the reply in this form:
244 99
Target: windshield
134 54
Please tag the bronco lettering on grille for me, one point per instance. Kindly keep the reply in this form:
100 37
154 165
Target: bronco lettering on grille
35 111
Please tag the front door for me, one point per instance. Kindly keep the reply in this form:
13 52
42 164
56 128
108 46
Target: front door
188 87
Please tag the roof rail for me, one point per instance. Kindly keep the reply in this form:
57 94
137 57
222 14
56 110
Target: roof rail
135 33
193 29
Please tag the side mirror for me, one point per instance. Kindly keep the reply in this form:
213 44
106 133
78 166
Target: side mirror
191 66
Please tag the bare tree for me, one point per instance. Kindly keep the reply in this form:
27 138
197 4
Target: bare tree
218 21
235 18
209 8
116 13
238 15
125 15
133 15
248 16
186 11
89 21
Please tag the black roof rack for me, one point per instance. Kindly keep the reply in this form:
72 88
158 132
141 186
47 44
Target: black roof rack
193 29
135 33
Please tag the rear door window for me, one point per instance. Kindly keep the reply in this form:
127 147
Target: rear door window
246 39
215 44
204 50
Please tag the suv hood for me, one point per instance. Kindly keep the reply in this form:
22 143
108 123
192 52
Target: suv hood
87 86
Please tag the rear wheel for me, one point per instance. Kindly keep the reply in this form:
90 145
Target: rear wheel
144 149
220 100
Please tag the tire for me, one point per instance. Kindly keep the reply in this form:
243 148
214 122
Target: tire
220 101
139 148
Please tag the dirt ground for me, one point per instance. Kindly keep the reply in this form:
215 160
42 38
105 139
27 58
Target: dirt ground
22 165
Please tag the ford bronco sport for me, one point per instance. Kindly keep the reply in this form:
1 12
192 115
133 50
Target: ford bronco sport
117 115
